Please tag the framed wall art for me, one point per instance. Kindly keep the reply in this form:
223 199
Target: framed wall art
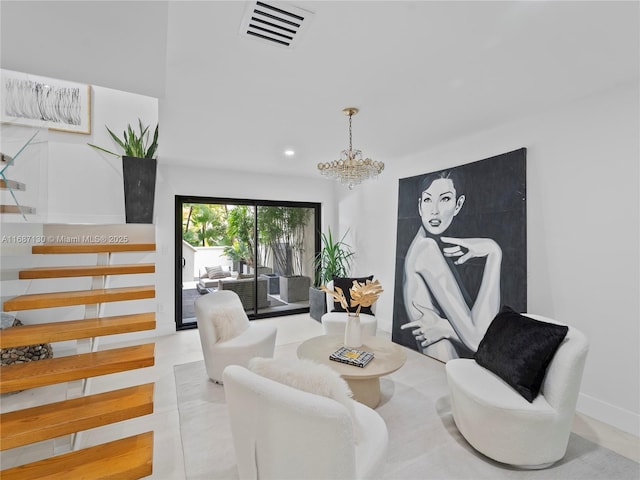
45 102
461 254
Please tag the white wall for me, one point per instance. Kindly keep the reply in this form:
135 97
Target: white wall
583 222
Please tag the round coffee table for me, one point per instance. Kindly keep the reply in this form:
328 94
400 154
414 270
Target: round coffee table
364 382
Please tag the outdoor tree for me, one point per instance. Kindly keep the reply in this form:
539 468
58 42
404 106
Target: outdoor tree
240 229
205 225
281 230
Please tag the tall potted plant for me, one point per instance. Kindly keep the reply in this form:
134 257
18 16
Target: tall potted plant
139 166
333 260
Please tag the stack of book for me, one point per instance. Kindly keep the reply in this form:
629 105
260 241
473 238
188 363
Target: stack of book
358 358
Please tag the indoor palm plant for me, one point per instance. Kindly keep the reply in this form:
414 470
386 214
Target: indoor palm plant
134 144
333 260
138 171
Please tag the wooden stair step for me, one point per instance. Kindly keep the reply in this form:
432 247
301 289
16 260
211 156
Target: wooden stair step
128 458
34 301
12 184
75 367
31 425
86 271
75 329
17 209
50 248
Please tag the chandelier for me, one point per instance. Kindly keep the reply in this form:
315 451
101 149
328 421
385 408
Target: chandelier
351 169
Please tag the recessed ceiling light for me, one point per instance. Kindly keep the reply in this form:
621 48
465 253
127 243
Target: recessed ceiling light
289 153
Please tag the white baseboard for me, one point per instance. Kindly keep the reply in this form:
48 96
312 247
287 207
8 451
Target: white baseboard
617 417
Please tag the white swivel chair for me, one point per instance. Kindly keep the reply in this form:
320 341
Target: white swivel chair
227 336
334 323
281 432
501 424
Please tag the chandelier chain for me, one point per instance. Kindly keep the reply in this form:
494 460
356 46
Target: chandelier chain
350 134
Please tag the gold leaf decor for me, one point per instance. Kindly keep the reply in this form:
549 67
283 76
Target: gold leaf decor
337 295
362 294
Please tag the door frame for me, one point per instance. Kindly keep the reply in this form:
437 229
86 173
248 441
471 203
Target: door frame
178 260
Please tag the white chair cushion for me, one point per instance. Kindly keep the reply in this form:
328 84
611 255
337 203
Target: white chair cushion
490 390
304 374
229 322
308 376
497 421
226 336
280 432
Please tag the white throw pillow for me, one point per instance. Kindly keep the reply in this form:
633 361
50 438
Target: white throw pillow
215 272
229 322
308 376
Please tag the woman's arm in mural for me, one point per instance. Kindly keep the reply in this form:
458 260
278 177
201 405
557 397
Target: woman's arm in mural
487 303
441 283
427 273
428 327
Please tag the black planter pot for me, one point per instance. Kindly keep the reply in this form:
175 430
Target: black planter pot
317 303
139 176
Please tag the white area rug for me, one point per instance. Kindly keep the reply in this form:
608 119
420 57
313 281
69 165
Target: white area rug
424 442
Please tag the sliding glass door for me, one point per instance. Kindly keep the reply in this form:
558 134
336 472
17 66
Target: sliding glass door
261 250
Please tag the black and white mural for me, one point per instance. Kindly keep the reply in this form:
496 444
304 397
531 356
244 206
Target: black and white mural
461 253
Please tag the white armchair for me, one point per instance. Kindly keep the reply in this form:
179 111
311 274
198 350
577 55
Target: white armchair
281 432
498 422
334 323
227 336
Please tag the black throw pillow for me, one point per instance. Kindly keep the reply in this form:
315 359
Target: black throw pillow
519 349
345 284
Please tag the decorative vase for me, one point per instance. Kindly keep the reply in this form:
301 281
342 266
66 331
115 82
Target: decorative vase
352 332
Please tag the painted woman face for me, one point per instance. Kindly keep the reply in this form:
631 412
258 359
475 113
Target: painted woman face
438 205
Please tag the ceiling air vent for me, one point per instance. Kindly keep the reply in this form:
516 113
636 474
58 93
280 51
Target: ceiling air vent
278 24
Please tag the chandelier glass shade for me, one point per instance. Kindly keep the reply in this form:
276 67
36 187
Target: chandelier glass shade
351 169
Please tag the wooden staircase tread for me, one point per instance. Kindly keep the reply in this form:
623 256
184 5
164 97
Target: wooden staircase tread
86 271
12 184
51 248
17 209
31 425
127 458
76 329
75 367
78 297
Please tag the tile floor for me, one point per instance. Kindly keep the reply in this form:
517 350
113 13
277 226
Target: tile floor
184 347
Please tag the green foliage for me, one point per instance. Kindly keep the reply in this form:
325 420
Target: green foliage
134 144
190 237
205 225
240 229
281 231
237 252
334 259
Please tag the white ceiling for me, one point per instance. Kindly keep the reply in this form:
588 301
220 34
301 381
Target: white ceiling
421 72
